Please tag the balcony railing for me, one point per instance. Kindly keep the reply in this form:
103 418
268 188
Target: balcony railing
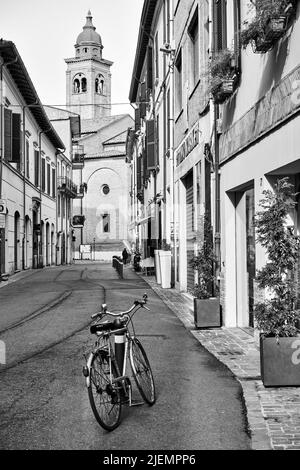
82 189
66 185
78 157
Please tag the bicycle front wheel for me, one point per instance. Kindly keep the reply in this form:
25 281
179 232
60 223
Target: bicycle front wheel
141 371
104 396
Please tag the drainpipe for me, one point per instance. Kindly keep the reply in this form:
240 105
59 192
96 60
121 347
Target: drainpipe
24 243
215 111
40 262
171 154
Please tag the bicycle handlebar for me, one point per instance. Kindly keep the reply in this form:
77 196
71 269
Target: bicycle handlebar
137 303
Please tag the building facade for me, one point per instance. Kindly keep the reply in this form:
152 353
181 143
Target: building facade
102 211
29 147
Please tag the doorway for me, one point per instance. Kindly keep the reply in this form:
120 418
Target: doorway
16 240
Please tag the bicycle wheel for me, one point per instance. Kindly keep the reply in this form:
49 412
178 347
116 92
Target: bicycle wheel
141 371
103 395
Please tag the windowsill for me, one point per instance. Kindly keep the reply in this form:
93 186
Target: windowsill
195 88
180 113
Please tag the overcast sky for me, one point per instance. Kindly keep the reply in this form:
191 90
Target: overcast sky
45 31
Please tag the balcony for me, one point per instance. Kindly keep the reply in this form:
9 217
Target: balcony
81 191
78 157
65 185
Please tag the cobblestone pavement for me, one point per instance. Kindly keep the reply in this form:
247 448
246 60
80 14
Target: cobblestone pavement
273 413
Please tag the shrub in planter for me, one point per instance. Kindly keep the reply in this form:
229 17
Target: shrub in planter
222 75
268 25
277 317
206 304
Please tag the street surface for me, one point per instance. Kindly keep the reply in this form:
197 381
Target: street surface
44 322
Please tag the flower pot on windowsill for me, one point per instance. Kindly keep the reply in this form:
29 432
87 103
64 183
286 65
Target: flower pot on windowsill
280 361
207 313
224 90
261 45
275 28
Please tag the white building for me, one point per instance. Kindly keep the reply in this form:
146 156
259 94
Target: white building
29 147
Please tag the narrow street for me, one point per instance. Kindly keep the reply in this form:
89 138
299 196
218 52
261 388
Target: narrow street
44 403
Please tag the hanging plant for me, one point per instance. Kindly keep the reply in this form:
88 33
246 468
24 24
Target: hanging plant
222 74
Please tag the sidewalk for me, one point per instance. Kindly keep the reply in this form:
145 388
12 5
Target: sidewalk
273 413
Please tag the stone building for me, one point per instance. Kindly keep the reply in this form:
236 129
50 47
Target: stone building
102 211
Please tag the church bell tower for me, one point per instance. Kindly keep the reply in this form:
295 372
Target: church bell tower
88 76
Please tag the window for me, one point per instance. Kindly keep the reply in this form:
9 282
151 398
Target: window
53 183
12 136
83 85
27 159
99 84
221 25
58 205
156 57
105 189
43 174
7 134
193 31
48 178
63 206
178 83
79 84
36 168
106 223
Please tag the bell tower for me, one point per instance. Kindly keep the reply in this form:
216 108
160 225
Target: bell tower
88 76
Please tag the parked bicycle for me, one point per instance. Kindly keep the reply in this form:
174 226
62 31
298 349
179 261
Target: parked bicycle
108 383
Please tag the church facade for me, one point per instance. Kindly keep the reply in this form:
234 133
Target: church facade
104 178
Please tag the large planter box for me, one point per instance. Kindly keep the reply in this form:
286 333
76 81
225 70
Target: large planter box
280 361
165 268
207 313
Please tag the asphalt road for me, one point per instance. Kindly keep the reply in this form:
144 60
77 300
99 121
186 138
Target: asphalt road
44 320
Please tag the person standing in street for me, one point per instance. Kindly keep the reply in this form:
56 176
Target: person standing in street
124 255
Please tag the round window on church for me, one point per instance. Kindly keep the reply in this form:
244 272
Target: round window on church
105 189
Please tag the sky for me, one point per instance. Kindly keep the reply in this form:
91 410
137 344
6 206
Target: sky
45 32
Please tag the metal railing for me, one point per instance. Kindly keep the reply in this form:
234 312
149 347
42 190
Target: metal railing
117 263
65 184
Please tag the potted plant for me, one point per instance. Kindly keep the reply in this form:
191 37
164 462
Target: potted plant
206 304
165 255
268 25
222 75
277 316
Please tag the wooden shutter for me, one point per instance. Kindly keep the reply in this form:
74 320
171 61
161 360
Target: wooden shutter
48 178
27 159
7 134
150 136
16 137
43 174
53 183
149 68
137 119
143 100
237 29
220 22
139 173
36 168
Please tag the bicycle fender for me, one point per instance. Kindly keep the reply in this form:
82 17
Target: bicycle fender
88 365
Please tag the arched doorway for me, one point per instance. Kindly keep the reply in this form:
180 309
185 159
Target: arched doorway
42 245
63 248
16 240
27 239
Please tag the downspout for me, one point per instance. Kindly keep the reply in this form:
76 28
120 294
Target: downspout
217 237
40 261
24 242
171 155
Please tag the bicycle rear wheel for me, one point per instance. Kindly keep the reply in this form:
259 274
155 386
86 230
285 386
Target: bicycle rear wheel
142 371
104 396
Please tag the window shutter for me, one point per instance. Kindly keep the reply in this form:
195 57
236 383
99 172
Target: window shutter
48 178
139 173
7 134
43 174
220 25
36 168
53 183
146 172
149 68
143 99
16 137
237 29
137 119
27 159
150 136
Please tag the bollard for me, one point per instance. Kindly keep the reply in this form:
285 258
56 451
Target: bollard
120 350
